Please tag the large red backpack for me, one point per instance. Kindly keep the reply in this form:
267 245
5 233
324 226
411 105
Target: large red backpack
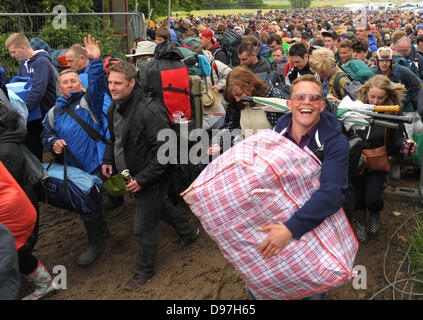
168 79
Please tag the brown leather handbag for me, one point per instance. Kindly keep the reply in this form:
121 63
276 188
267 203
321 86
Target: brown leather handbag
377 158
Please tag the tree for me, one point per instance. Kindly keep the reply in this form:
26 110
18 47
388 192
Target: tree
77 27
250 3
160 7
300 3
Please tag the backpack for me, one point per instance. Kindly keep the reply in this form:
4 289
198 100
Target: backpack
229 42
190 61
409 100
413 66
108 62
269 76
358 70
168 79
350 87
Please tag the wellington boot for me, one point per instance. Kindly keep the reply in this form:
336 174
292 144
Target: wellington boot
361 225
94 233
375 223
43 282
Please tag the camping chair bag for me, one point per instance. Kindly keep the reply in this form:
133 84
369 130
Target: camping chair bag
264 180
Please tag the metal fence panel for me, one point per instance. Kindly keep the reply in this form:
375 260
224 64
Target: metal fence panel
117 30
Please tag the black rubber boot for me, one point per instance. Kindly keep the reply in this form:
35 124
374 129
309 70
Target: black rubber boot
113 203
94 233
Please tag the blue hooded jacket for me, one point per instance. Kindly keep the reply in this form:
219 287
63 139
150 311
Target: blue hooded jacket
59 125
43 92
328 199
372 43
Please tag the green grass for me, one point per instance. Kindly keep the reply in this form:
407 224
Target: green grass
276 5
271 5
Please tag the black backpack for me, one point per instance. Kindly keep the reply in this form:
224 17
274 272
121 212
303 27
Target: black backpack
229 42
350 87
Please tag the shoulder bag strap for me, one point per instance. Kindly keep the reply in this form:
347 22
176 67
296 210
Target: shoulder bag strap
94 134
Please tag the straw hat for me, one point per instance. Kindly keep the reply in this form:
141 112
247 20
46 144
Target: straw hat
211 101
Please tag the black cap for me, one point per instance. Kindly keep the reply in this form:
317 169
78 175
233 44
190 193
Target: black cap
330 33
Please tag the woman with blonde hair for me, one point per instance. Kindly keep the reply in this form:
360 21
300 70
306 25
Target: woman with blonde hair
368 186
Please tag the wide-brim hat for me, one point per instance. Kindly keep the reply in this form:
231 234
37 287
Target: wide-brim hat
211 100
144 48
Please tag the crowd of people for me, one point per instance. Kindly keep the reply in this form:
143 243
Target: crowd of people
309 57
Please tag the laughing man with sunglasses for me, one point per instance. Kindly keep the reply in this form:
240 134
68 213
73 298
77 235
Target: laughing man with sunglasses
310 125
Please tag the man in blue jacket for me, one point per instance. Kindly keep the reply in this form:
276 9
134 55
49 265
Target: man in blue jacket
61 130
363 30
78 61
38 66
310 125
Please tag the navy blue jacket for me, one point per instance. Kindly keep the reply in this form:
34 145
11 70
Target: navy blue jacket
328 199
43 91
410 59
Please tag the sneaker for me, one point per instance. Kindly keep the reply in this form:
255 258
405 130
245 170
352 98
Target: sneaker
137 280
375 224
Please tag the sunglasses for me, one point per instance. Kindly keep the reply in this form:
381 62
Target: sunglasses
312 97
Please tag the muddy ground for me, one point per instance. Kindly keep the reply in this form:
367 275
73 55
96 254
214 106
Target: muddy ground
199 271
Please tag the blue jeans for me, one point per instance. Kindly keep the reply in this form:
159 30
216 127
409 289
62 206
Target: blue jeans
152 205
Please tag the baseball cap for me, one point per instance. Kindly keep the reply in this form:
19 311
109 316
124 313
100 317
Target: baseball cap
330 33
208 33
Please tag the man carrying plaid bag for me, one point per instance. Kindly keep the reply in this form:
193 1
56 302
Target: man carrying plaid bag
309 125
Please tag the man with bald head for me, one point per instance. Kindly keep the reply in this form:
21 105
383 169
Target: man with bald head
77 59
409 52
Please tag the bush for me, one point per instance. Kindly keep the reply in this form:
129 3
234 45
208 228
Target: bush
76 30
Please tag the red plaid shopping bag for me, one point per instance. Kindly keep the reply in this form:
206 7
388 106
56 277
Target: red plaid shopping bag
264 180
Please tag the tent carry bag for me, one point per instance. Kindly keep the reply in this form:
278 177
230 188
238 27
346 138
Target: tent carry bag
72 188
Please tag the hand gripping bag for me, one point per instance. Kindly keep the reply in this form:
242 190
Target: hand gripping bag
263 180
